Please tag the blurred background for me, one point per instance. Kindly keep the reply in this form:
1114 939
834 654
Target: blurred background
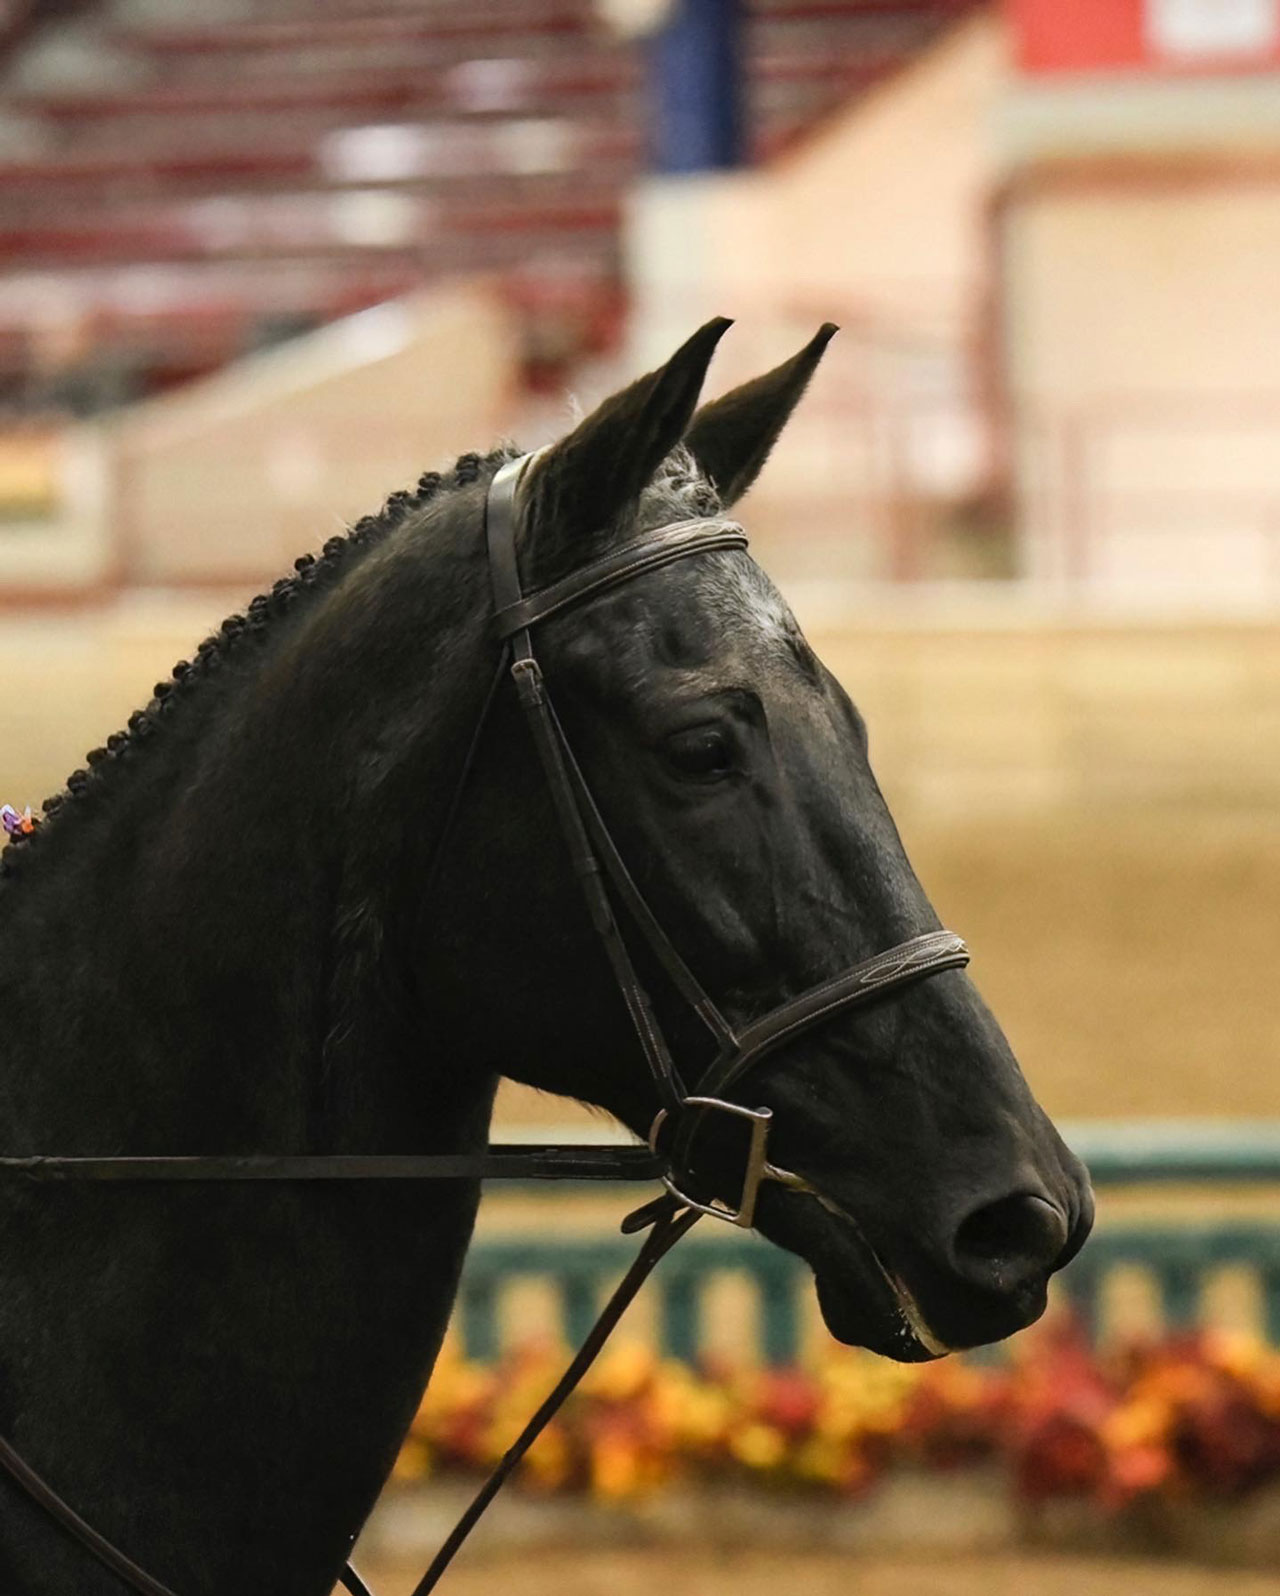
263 262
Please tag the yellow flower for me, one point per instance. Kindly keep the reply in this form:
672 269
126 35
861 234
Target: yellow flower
455 1386
622 1373
759 1446
1236 1353
824 1460
687 1412
549 1460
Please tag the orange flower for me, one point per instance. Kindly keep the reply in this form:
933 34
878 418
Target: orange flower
617 1468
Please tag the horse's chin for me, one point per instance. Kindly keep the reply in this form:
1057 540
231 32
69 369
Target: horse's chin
862 1303
853 1317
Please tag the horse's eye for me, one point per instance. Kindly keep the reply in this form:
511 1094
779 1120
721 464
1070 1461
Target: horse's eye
703 753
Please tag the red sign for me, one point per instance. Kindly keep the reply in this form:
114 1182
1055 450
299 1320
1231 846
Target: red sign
1177 36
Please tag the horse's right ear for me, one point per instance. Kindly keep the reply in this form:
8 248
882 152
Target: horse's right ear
578 489
731 437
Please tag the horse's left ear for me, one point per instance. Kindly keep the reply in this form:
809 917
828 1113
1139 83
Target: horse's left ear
579 488
731 437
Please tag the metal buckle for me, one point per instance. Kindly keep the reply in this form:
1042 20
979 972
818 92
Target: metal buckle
758 1168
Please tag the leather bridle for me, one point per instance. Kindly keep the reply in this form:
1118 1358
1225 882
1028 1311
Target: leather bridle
603 878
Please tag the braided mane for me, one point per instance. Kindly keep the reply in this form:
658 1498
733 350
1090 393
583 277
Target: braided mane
237 635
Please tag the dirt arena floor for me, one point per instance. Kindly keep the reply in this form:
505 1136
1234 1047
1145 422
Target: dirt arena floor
658 1573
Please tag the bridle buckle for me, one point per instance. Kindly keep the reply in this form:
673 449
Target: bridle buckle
758 1168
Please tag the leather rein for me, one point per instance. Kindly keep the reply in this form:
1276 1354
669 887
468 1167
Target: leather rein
603 878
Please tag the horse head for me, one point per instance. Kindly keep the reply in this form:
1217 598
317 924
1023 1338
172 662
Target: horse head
929 1191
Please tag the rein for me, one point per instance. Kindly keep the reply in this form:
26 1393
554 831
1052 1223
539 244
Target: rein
603 877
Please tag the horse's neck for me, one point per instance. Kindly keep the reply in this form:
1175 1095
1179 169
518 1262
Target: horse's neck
217 1378
218 1381
201 949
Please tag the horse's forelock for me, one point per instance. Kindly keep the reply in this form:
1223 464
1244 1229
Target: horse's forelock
679 491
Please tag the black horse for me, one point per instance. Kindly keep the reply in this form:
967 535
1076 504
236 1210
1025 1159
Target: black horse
236 931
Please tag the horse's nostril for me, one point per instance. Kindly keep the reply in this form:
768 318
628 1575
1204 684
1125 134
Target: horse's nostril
1005 1243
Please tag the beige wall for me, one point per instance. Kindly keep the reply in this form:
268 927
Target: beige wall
881 212
884 208
229 479
1094 806
1139 246
1136 228
1142 324
1145 287
877 222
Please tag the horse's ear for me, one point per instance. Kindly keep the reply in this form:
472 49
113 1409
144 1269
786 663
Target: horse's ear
582 484
731 437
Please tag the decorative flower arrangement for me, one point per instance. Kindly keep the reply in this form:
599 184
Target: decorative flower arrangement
1185 1419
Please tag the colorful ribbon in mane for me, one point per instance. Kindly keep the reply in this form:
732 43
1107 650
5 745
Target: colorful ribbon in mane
15 824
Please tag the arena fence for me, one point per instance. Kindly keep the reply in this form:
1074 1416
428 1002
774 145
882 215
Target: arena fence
1172 1256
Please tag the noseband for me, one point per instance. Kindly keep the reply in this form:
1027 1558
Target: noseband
603 877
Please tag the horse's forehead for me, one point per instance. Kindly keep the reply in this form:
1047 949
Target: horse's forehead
713 612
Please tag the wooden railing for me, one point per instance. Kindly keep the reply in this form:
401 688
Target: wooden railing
1178 1256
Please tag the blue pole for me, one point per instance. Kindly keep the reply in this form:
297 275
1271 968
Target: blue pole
696 88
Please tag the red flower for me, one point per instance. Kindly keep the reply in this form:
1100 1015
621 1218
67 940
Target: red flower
1060 1456
788 1401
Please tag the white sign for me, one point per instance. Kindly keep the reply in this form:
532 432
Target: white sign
1192 28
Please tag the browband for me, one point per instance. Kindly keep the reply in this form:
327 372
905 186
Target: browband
673 542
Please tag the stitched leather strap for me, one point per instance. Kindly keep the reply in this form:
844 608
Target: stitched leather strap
647 923
500 534
675 542
587 870
854 988
865 983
